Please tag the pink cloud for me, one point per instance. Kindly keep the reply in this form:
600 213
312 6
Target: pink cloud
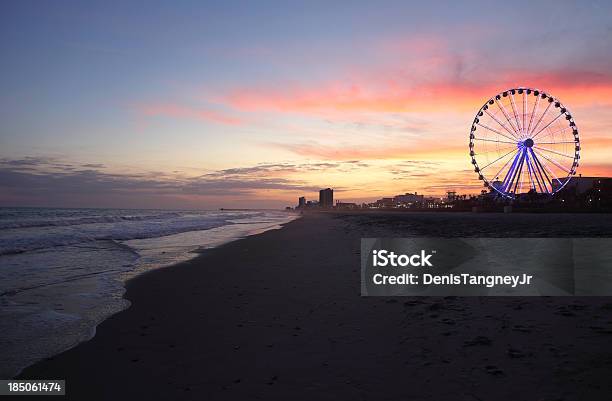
386 93
418 74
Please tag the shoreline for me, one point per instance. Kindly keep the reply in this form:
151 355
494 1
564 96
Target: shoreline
127 283
111 290
271 313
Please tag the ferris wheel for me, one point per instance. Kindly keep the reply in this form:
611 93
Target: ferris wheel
523 140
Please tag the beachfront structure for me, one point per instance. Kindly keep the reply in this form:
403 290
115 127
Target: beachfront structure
306 204
524 141
433 203
384 203
409 199
588 192
580 184
401 201
346 205
326 198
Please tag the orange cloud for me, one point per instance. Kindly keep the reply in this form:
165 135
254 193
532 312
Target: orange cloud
176 111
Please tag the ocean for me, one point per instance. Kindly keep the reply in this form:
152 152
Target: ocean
62 271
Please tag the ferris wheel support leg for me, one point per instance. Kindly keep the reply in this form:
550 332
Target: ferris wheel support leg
519 171
542 171
552 173
515 173
532 174
510 173
531 184
538 173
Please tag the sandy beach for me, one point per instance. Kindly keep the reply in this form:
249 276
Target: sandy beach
279 316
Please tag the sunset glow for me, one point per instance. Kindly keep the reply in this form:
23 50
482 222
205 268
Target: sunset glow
210 115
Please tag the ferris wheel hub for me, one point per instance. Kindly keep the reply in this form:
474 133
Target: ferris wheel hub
528 142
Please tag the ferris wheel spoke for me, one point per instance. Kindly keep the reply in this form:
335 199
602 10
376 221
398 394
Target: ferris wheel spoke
541 118
533 113
543 180
498 159
513 104
524 109
503 110
554 143
552 161
492 140
555 152
543 175
551 135
502 124
546 167
496 176
534 175
531 179
494 130
547 125
496 151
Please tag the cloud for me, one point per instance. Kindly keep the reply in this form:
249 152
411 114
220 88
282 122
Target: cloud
386 93
415 167
25 162
375 152
403 83
39 181
258 169
426 73
179 111
233 187
46 164
267 169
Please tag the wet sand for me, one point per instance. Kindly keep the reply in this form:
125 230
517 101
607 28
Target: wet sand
279 316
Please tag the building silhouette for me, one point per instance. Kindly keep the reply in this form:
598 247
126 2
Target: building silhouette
409 199
346 205
580 184
401 201
326 198
301 202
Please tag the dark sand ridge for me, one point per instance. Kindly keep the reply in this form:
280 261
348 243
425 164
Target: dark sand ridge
278 316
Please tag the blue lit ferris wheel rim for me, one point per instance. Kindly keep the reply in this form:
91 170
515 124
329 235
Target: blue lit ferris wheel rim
531 131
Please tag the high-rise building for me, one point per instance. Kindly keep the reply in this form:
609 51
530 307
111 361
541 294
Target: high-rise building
326 198
301 202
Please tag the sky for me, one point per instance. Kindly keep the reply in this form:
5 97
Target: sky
252 104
